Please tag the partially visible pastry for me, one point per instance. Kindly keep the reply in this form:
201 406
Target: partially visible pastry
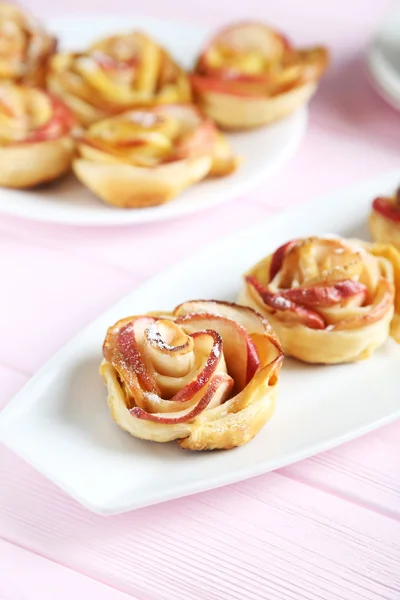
330 300
25 47
35 136
384 220
146 157
116 74
250 75
205 375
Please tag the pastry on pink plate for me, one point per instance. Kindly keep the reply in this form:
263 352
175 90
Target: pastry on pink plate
147 156
329 299
36 142
25 47
205 375
115 74
384 220
250 75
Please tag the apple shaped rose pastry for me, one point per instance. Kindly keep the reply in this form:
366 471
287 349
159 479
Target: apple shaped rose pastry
25 47
329 300
146 157
116 74
205 375
384 220
35 136
250 75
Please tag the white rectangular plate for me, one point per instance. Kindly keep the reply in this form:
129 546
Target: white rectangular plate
59 422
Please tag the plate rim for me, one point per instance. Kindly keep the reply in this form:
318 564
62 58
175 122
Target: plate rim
382 76
118 505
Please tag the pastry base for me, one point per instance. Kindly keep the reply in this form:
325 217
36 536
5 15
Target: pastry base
384 230
234 112
127 186
231 424
30 164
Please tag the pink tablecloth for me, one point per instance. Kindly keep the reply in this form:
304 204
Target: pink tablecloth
323 529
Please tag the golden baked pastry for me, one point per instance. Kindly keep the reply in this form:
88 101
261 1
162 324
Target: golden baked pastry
205 375
384 220
330 300
116 74
35 136
25 47
146 157
250 75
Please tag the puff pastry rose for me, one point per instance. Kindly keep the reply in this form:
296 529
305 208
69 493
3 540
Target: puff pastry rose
384 220
205 375
250 75
25 47
116 74
330 300
35 136
146 157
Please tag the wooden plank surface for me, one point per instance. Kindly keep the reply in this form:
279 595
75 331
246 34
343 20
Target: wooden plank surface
24 575
324 529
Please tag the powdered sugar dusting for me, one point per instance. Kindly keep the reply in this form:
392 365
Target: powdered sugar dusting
145 119
152 397
282 303
216 352
155 337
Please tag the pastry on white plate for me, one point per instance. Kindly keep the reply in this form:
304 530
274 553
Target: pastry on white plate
146 157
329 300
384 220
115 74
36 142
250 75
25 46
205 375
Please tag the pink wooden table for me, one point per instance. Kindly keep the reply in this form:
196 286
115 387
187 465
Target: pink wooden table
327 528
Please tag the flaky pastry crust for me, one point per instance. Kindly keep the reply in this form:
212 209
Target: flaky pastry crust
329 300
35 136
146 157
205 375
250 75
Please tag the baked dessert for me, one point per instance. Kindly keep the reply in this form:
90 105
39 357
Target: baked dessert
330 300
205 375
147 156
250 75
35 136
25 47
115 74
384 220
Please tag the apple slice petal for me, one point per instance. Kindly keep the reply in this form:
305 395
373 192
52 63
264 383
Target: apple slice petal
235 342
327 295
249 327
204 376
387 208
278 302
278 258
221 381
122 351
248 318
